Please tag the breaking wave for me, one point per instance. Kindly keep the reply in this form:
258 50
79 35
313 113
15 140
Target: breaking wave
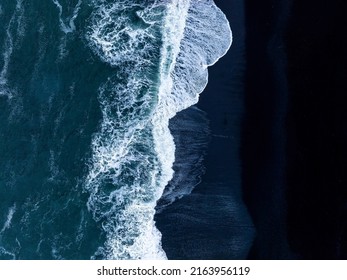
159 52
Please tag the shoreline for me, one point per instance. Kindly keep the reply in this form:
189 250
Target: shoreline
213 222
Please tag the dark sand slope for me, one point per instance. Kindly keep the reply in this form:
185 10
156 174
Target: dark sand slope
213 222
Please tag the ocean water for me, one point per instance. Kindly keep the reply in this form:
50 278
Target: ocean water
87 89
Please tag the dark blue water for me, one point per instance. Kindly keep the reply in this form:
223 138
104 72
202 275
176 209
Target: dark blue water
87 89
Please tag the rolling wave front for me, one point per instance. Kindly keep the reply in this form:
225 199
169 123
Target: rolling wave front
160 51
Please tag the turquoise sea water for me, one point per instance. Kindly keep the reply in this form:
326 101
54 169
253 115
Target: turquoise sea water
87 89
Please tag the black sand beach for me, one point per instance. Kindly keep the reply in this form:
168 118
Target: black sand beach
275 185
263 129
317 129
294 133
213 222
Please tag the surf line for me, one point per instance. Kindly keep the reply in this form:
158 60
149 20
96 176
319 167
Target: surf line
194 35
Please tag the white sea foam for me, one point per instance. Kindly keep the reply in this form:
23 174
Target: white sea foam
134 151
115 37
53 167
9 217
81 229
68 25
16 18
207 37
4 252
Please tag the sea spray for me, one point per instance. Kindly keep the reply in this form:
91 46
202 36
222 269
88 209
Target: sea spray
159 51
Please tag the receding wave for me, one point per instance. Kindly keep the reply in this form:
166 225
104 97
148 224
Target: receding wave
159 52
190 129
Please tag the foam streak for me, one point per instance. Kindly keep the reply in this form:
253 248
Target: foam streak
70 25
8 47
7 223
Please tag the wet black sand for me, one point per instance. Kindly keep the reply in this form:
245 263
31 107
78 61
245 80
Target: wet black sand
213 222
275 185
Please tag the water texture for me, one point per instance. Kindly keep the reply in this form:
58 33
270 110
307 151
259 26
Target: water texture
87 89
